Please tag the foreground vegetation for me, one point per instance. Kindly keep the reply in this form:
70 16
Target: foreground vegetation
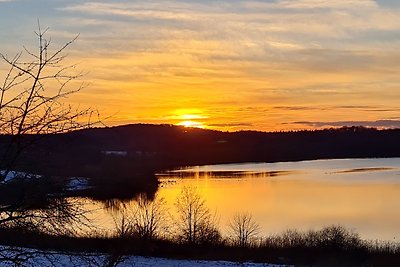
331 246
144 229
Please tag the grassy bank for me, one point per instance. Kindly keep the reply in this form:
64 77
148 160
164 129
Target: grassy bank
331 246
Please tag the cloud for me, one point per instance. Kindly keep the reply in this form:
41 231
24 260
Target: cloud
308 4
133 10
297 108
231 124
291 60
372 108
387 124
388 3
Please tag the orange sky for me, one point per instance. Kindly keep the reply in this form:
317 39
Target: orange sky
228 65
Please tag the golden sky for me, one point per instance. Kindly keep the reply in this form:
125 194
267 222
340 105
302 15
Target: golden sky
228 64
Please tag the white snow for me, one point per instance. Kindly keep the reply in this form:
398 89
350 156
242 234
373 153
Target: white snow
55 259
72 184
77 184
11 175
144 262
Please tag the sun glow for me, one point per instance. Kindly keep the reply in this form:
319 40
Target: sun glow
189 117
191 124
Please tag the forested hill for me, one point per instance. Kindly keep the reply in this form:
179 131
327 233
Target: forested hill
164 146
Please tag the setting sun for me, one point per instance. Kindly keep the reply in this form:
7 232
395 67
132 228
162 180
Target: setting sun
189 117
191 124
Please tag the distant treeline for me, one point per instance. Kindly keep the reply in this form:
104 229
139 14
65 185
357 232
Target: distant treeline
143 148
121 161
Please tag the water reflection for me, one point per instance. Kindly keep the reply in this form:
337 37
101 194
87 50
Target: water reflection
360 194
366 170
116 204
220 174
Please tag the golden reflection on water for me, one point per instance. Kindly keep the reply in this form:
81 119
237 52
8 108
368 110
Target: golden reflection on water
279 203
363 195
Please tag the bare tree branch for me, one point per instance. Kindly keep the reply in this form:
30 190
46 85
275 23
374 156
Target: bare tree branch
195 222
243 229
32 106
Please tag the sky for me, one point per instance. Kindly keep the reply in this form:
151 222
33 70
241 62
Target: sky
230 65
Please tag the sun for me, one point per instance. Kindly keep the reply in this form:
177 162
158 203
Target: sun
191 124
191 118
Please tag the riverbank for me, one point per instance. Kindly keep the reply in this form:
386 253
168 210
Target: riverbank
331 246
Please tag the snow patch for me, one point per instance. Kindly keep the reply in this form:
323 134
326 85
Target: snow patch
11 175
77 184
147 262
55 259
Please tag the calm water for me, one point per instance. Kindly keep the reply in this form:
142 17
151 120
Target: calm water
361 194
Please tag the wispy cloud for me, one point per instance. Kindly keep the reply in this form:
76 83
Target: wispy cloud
133 10
231 124
387 124
290 60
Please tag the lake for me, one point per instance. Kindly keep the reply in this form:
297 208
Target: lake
360 194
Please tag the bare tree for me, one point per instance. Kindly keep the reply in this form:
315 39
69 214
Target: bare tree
195 222
122 222
32 106
142 218
32 97
243 228
148 217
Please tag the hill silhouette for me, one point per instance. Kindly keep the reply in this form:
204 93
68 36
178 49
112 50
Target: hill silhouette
167 146
136 152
